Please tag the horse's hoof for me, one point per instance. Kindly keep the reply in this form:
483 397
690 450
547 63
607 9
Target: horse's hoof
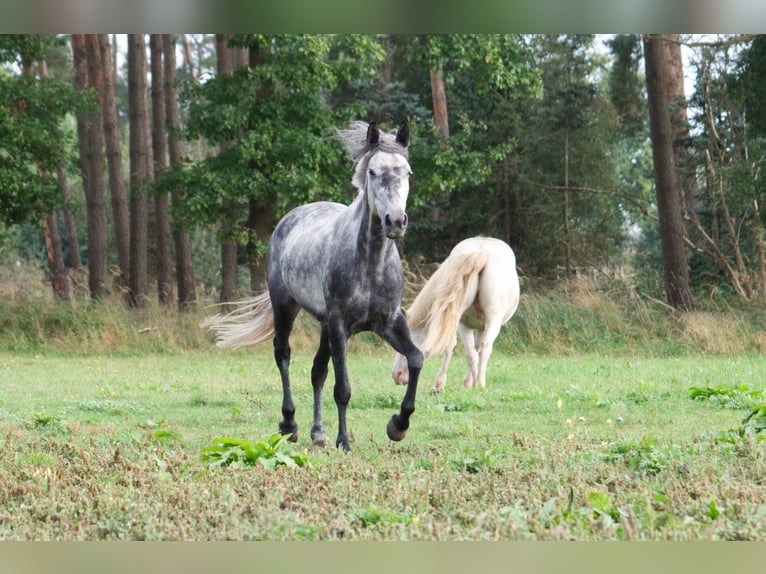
291 430
319 439
394 433
437 390
343 444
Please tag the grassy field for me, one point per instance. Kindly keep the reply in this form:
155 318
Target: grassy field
103 446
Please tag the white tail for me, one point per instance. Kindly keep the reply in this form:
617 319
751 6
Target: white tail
444 298
250 323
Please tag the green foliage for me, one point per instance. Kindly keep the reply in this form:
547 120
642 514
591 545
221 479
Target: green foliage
645 456
732 397
749 429
35 138
271 451
373 516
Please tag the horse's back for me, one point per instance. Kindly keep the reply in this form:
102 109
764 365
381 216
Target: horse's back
298 249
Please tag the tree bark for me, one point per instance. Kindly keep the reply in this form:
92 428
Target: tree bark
90 140
139 177
56 267
668 193
73 241
100 74
164 265
439 97
187 295
225 66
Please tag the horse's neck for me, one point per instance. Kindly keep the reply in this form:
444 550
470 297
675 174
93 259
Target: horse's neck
372 243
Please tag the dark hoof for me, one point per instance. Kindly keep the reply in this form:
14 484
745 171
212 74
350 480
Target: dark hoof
291 429
343 444
394 433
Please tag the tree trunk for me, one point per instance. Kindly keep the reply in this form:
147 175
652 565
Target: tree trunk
676 269
90 139
73 241
187 295
139 178
56 267
260 221
439 97
100 75
228 246
162 237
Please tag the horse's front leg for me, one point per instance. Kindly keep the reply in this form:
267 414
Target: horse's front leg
338 339
397 334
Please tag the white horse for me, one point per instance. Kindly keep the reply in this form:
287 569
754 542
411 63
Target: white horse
474 291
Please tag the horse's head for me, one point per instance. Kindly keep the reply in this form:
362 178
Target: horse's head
387 181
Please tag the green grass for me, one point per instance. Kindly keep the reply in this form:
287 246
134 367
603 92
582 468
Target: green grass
102 446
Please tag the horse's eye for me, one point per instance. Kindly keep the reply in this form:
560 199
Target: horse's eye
372 173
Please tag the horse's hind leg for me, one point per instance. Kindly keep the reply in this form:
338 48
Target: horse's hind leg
486 342
398 336
284 317
318 376
468 336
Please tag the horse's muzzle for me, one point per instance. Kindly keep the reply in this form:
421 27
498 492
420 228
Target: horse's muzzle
395 227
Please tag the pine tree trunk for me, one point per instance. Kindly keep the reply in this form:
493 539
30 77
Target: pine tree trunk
668 193
139 178
100 76
164 261
187 295
56 267
439 97
225 66
90 140
73 241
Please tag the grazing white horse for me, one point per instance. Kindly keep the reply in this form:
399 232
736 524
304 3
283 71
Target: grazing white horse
475 291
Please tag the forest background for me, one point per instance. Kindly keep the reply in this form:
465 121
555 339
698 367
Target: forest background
152 168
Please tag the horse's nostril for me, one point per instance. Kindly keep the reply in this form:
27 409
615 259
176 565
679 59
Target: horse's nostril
388 220
404 220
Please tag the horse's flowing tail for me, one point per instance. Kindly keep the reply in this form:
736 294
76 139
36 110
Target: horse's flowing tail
443 299
250 323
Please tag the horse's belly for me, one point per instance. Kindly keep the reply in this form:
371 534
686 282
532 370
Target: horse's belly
473 319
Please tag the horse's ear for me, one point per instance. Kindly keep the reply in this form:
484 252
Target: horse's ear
373 136
403 135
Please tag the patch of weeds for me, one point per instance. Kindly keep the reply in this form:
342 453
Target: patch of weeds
202 401
308 532
644 456
730 398
473 463
386 401
372 515
106 407
460 403
39 459
47 422
166 436
270 452
751 427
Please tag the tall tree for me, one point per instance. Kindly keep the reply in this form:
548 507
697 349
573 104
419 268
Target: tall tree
139 176
659 70
56 267
100 75
91 138
228 244
162 234
187 295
